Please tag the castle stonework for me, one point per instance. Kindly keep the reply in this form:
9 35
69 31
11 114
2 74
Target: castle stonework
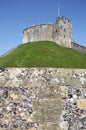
42 99
60 32
38 33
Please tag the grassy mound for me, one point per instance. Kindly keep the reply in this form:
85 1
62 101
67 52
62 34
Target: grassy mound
43 54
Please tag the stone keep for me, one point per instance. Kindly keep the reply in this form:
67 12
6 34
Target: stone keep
60 32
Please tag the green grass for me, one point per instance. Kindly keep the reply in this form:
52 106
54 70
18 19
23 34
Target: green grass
43 54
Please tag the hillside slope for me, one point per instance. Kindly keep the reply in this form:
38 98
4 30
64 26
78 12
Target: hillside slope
43 54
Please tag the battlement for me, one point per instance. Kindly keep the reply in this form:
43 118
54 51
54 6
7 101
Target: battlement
65 20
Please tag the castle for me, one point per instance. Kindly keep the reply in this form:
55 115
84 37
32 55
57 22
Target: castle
60 32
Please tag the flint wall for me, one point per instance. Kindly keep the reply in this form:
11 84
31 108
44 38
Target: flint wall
42 99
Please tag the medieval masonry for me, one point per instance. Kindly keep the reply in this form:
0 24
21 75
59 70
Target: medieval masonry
42 99
60 32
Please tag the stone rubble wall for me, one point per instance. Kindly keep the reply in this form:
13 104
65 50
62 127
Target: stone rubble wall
42 99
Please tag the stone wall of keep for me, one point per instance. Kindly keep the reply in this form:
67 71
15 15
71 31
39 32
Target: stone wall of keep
38 33
42 99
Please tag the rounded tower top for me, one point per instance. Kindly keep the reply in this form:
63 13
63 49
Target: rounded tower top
65 20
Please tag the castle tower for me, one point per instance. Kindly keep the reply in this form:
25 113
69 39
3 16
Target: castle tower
62 32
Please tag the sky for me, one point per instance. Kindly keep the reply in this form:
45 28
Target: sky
16 15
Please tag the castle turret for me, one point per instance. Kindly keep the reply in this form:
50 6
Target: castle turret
62 32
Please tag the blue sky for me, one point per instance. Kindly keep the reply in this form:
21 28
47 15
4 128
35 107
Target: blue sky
16 15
